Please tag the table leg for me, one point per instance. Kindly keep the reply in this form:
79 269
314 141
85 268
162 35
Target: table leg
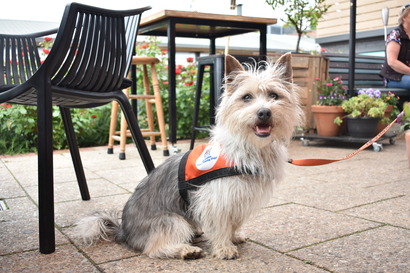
172 82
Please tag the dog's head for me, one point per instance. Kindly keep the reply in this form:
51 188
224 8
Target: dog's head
259 104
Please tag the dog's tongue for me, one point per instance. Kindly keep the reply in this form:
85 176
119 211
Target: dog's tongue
262 129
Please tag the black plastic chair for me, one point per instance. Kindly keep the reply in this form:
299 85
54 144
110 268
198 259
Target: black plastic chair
86 68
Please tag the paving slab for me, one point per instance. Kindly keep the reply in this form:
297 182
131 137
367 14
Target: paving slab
288 227
65 259
384 249
254 258
395 211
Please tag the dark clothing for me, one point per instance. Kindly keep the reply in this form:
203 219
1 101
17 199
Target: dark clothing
398 35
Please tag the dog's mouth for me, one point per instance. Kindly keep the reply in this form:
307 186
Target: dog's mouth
263 130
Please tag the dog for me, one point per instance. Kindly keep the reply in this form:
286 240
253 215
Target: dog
255 120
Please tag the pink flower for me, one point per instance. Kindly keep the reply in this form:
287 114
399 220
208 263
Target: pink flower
336 79
317 79
329 84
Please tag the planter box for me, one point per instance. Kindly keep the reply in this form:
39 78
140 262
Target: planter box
306 68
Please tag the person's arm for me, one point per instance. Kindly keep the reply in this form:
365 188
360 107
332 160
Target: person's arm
392 52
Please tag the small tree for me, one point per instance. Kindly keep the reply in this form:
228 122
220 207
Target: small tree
303 15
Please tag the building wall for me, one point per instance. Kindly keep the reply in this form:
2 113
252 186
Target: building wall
333 29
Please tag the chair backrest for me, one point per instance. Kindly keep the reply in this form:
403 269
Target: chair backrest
19 57
93 48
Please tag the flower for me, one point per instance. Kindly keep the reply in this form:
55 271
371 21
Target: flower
331 92
190 60
189 83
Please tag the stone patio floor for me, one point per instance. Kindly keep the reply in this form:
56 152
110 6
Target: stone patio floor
349 216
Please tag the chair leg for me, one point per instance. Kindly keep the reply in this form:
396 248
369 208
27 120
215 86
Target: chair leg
198 92
135 132
113 126
45 171
160 111
75 154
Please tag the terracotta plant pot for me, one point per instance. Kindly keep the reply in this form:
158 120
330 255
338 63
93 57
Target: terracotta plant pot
387 114
407 138
324 117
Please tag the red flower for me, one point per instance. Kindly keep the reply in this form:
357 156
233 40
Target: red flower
178 71
6 105
190 60
165 82
144 46
188 83
180 66
47 39
94 116
164 52
46 51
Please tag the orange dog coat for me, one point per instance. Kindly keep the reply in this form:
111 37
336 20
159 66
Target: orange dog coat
203 164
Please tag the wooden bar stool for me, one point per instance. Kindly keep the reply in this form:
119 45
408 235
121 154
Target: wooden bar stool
150 99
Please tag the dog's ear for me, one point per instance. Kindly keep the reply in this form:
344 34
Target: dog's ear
231 64
286 60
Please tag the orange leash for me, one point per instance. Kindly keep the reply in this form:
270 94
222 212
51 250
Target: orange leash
321 161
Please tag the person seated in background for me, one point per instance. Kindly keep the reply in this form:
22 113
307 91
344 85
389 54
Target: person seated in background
396 68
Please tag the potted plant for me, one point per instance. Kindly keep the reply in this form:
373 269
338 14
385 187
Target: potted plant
391 111
364 112
404 120
328 106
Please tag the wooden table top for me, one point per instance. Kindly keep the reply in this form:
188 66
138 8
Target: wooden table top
201 25
164 14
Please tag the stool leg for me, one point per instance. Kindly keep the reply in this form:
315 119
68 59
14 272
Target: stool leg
160 111
148 107
123 136
113 126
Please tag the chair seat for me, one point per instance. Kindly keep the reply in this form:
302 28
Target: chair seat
66 97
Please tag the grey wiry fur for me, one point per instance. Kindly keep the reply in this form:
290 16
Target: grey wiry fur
159 223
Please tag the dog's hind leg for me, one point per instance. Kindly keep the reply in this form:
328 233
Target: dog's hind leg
170 237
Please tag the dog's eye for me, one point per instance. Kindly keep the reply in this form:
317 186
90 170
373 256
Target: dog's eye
273 95
247 97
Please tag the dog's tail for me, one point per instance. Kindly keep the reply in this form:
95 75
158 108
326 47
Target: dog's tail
100 226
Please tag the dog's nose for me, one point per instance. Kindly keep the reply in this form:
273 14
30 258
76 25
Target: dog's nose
264 114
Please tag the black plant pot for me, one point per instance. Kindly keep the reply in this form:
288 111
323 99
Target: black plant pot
362 127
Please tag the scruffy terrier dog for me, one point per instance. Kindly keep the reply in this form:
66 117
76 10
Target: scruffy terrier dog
254 123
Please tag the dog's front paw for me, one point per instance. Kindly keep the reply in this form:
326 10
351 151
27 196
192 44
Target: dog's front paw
191 253
226 253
